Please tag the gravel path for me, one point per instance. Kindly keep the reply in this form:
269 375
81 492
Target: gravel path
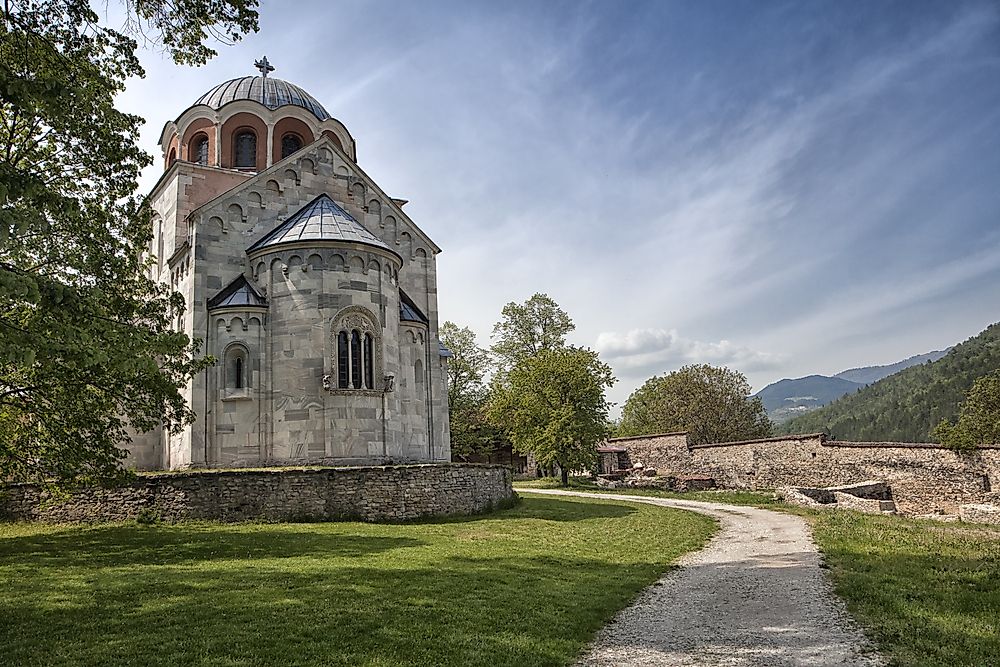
755 596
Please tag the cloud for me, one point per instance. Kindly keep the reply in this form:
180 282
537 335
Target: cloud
650 351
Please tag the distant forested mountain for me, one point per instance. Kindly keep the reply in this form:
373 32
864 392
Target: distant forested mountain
870 374
790 398
786 399
905 407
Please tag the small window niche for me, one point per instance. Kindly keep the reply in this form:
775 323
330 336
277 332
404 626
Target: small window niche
237 376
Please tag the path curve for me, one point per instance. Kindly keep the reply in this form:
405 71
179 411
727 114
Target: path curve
755 596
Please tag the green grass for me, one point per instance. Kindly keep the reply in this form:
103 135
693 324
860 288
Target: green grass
528 585
927 592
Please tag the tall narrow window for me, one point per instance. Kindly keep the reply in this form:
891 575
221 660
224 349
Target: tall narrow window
245 149
200 152
369 362
237 374
355 360
342 361
290 143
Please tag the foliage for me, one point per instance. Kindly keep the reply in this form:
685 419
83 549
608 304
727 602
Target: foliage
471 431
525 329
712 404
528 586
87 350
928 593
905 407
552 406
978 417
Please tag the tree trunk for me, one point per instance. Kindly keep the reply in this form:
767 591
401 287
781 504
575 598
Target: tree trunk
565 475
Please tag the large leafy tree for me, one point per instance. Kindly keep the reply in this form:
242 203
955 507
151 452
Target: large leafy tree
525 329
87 352
471 431
552 406
978 417
712 404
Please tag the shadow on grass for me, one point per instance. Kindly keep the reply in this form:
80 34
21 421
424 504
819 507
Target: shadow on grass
204 594
178 544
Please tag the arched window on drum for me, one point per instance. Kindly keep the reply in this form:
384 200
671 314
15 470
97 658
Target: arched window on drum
356 359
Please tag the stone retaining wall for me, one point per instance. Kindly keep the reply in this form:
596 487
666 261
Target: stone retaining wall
925 478
382 493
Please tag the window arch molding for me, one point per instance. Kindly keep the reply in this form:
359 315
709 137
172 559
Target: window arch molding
237 375
356 344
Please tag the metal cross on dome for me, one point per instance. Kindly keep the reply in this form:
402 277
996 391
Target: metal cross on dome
263 66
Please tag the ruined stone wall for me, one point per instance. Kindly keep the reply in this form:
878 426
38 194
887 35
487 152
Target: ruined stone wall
924 478
384 493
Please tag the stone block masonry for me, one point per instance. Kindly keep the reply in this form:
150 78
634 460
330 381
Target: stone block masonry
924 478
369 493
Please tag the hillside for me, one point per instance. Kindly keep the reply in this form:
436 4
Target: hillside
906 406
870 374
789 398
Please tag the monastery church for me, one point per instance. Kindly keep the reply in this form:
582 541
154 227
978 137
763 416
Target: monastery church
311 287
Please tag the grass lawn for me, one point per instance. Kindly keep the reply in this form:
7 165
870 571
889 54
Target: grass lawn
928 592
526 586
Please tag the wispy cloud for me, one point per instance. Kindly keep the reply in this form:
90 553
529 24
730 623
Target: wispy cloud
645 352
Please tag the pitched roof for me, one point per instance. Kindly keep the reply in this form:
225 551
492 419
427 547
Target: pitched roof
408 311
319 220
237 293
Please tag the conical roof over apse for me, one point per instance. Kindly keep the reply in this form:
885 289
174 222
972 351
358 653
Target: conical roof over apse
320 220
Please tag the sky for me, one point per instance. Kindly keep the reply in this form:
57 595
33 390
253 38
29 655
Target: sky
785 188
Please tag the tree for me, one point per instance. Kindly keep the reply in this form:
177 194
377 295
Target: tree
471 431
978 417
87 351
712 404
553 407
525 329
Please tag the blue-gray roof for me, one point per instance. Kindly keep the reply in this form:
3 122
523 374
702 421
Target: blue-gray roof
272 93
319 220
408 311
237 293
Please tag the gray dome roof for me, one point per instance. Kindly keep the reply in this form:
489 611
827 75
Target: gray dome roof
319 220
272 93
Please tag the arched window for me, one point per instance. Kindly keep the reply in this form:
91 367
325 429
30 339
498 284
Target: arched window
343 361
356 360
357 357
245 149
418 372
237 374
369 362
172 157
199 149
290 143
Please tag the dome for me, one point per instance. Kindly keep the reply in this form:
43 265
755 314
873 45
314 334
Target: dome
268 91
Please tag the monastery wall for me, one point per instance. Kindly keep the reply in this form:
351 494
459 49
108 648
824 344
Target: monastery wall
387 493
924 478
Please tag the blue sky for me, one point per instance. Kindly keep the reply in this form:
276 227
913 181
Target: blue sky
782 187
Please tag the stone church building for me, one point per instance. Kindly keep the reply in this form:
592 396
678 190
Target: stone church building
313 289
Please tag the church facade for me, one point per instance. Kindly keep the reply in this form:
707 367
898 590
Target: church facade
312 288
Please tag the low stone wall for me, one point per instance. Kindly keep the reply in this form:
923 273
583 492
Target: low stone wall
925 478
382 493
